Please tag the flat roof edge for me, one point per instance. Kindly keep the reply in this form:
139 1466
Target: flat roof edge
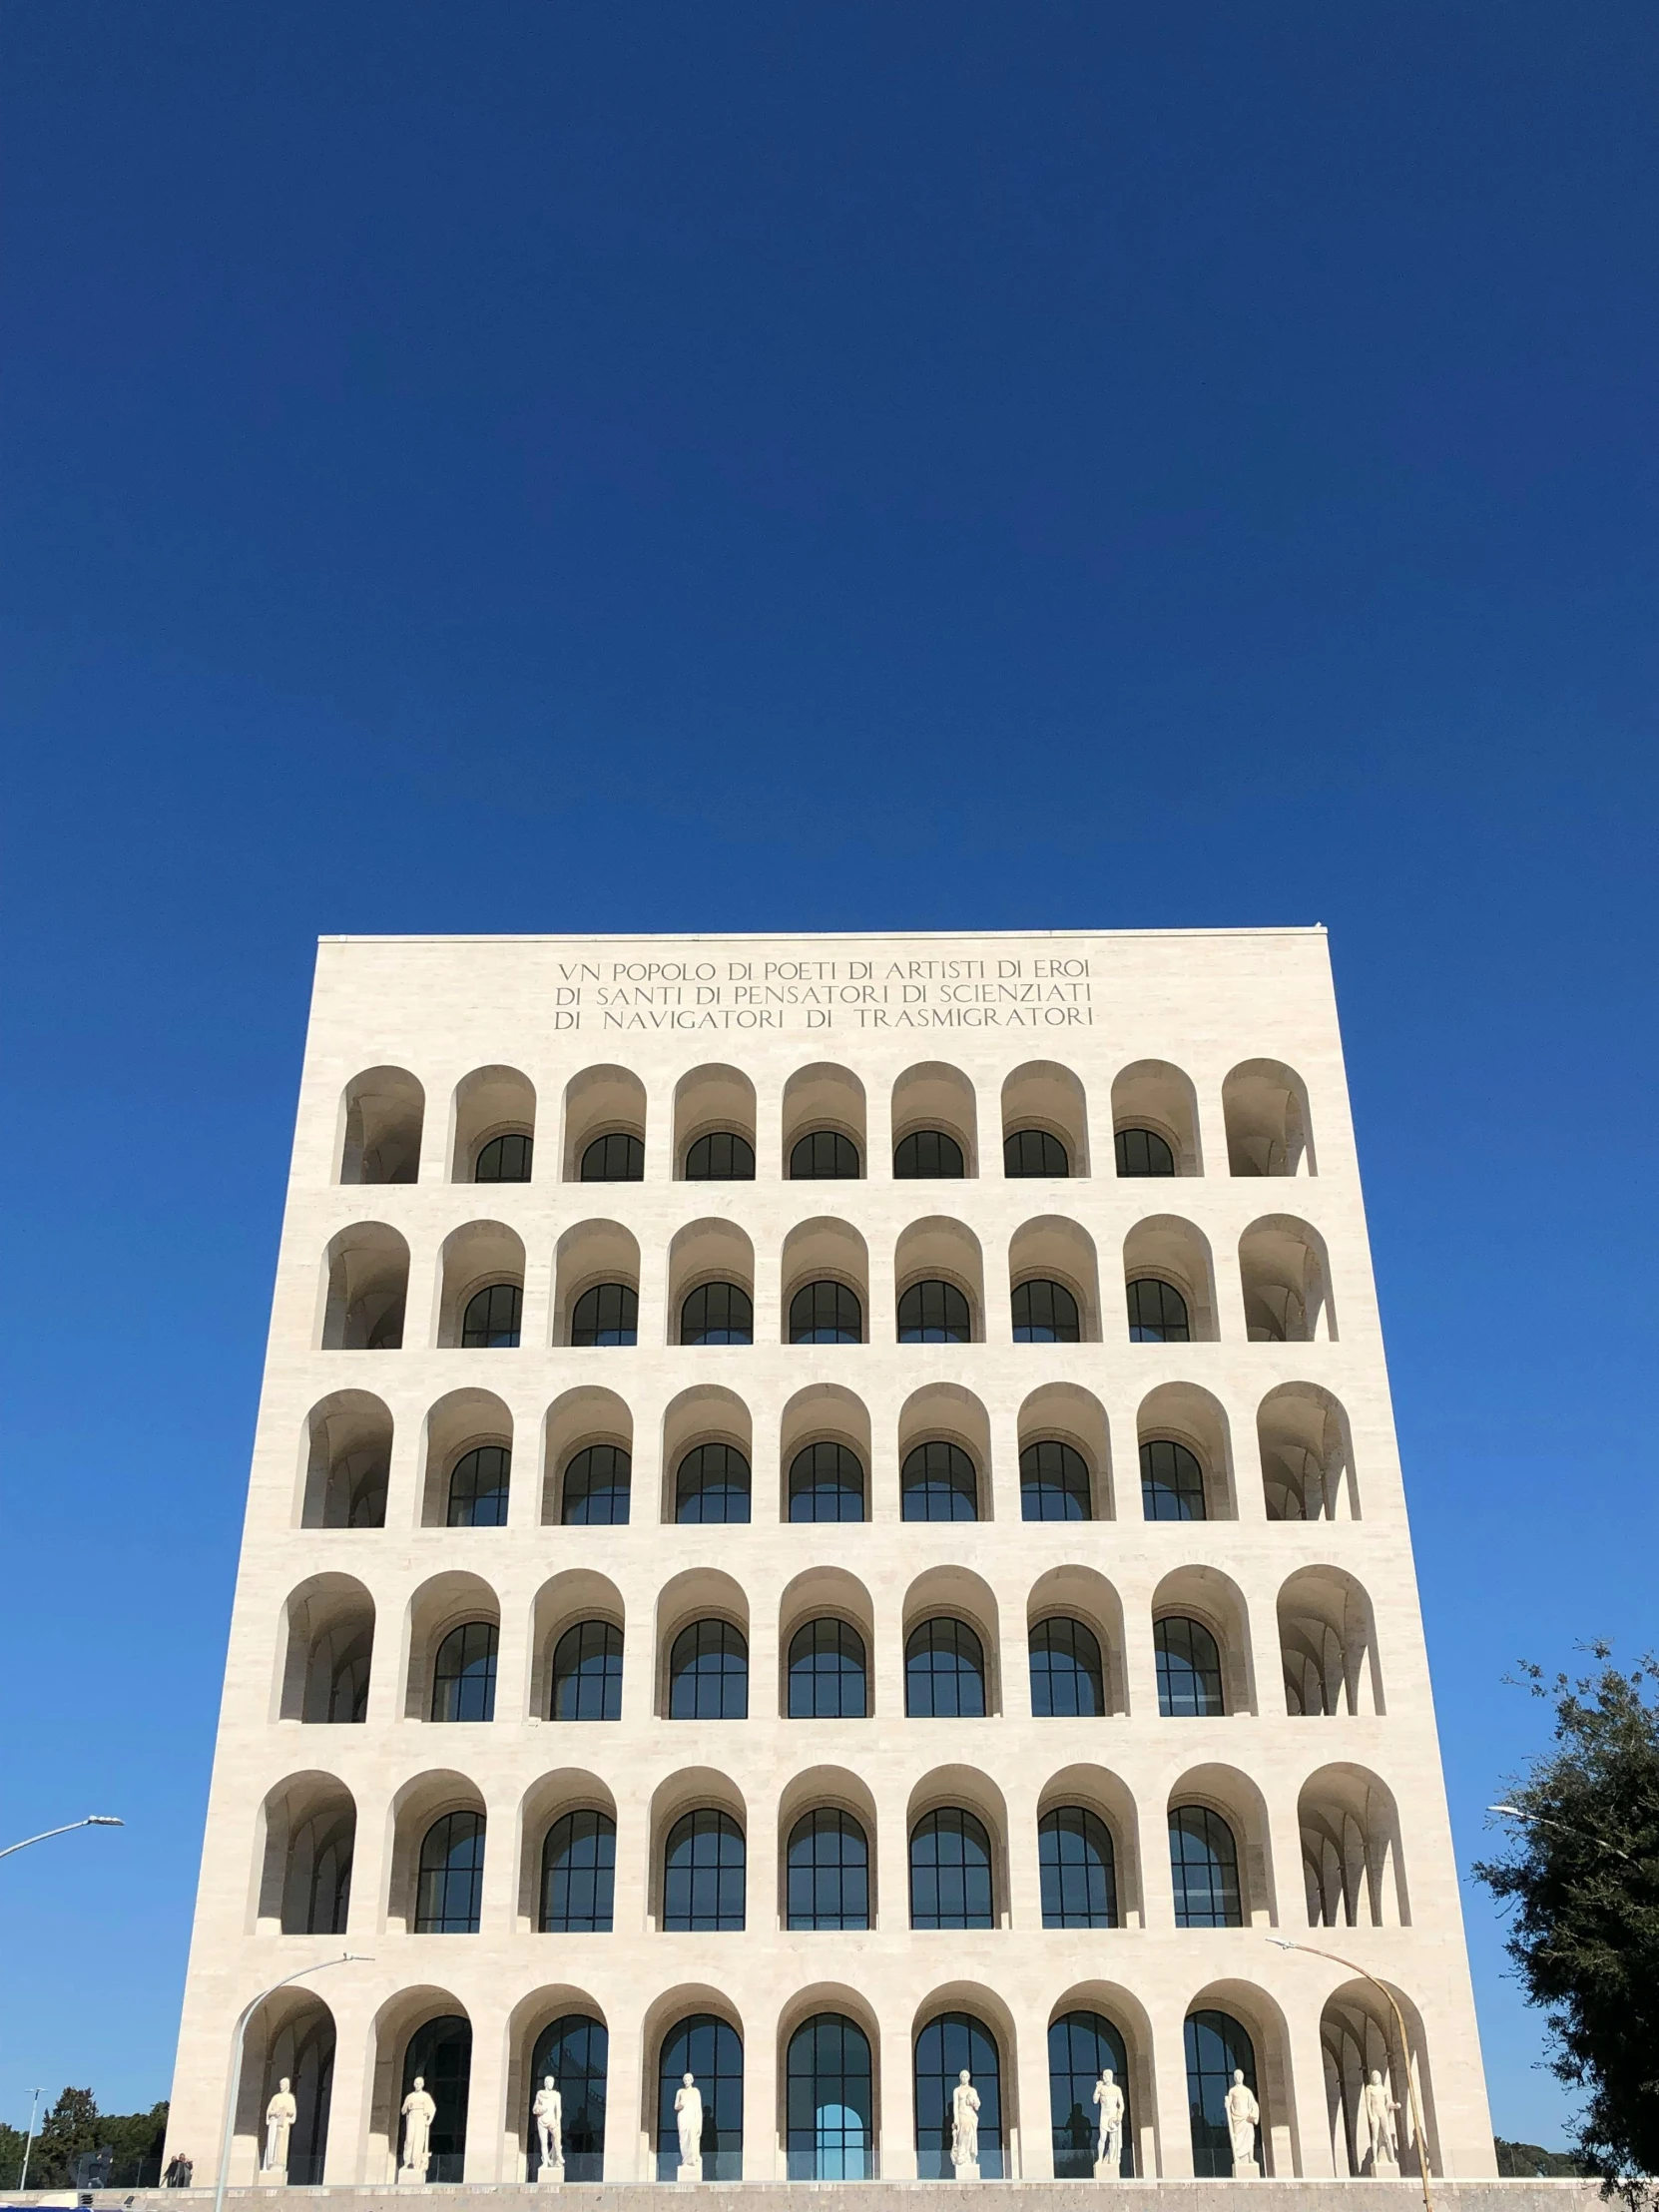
766 936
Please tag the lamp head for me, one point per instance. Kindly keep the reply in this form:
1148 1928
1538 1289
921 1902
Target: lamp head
102 1819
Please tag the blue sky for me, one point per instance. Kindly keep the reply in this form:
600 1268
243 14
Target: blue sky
768 466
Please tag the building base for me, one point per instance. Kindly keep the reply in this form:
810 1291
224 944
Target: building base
873 2196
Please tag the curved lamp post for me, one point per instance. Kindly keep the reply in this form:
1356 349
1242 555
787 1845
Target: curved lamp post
345 1959
1585 1835
93 1820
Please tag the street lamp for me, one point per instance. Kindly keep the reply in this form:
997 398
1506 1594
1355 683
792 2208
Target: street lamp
29 2140
345 1959
1586 1835
93 1820
1281 1943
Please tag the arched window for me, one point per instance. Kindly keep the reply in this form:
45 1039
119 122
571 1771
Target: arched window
946 2045
1172 1481
827 1673
608 1314
935 1314
1204 1867
576 2051
705 2048
586 1673
1053 1482
1067 1679
1157 1312
492 1318
826 1484
950 1871
829 2100
721 1157
944 1671
1081 2045
463 1674
702 1872
937 1482
578 1874
717 1314
441 2055
829 1872
1033 1152
1077 1868
826 1156
1217 2049
504 1160
618 1158
927 1155
1189 1669
712 1483
826 1314
1045 1313
478 1487
708 1674
1143 1152
596 1487
450 1888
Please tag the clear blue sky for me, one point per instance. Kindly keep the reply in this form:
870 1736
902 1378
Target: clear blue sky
743 466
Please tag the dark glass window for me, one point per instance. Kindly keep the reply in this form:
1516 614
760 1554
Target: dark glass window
1053 1482
1172 1481
578 1874
1080 2047
1217 2049
1045 1313
576 2051
618 1158
826 1314
828 2100
463 1674
707 1673
597 1483
441 2054
1204 1867
702 1872
827 1483
935 1314
944 1671
829 1872
1143 1152
1067 1679
721 1157
712 1483
608 1314
1034 1152
944 2047
478 1487
1156 1313
707 2048
450 1885
827 1673
717 1314
492 1318
1189 1669
504 1160
823 1157
927 1155
951 1872
586 1673
937 1482
1077 1868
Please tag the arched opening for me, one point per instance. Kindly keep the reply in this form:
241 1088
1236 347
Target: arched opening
824 1125
939 1277
935 1125
481 1288
573 2053
437 2062
1368 2079
588 1458
1307 1455
1045 1123
827 1871
1064 1460
1351 1863
1220 2059
711 1284
1201 1643
1169 1283
707 1473
289 2045
1090 2119
577 1630
1286 1279
1266 1109
1074 1626
366 1288
1220 1868
714 1126
709 2050
347 1463
381 1113
596 1286
309 1825
950 1646
825 1282
1155 1121
495 1121
702 1647
1055 1283
1186 1464
329 1648
944 1463
824 1455
454 1629
1327 1643
830 2101
1087 1840
439 1833
604 1138
826 1623
972 2143
469 1458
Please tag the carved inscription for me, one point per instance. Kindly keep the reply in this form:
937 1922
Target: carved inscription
1031 990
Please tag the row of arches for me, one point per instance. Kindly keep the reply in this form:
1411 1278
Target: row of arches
1183 1469
1055 1294
821 1127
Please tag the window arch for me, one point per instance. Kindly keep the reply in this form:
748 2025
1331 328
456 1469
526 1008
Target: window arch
586 1673
707 1673
598 1479
578 1874
703 2046
829 2100
463 1674
826 1314
934 1312
1078 1869
703 1872
938 1482
1204 1868
478 1485
828 1871
493 1318
606 1313
826 1484
721 1156
927 1155
950 1871
712 1483
944 1671
616 1158
1053 1482
824 1156
1034 1152
1172 1481
1217 2049
829 1673
1189 1669
449 1886
950 2042
505 1159
1081 2045
440 2053
385 1109
1069 1680
1143 1152
1045 1313
576 2051
1157 1312
717 1314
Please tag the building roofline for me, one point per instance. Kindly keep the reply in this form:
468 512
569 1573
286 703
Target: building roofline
807 936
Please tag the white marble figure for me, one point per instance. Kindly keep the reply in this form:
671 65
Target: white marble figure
1243 2114
420 2111
1108 2141
1377 2109
964 2128
688 2117
548 2112
280 2117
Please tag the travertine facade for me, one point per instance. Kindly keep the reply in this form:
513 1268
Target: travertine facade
421 1538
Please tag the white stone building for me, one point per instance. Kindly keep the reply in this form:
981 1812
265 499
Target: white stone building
825 1509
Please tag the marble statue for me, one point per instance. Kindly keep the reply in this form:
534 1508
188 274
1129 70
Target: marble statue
420 2111
1242 2115
1107 2142
964 2128
548 2112
1382 2146
688 2117
280 2117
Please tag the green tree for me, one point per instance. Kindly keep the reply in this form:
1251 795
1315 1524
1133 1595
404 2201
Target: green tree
1582 1875
73 2125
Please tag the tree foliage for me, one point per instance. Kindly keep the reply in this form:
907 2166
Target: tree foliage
1582 1875
74 2124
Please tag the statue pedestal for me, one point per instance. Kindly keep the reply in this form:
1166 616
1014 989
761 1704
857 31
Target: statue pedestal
274 2177
1246 2169
406 2174
1107 2170
550 2176
1383 2167
968 2170
691 2169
